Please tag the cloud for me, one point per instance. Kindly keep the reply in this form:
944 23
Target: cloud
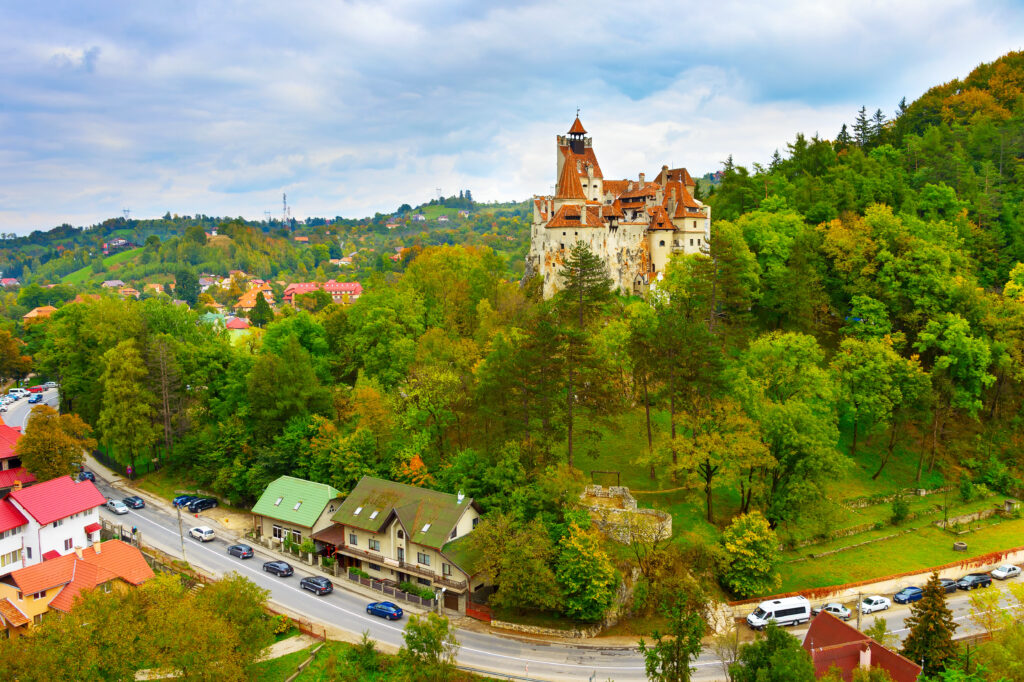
355 107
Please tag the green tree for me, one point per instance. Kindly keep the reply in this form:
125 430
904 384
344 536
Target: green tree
517 558
126 416
186 286
586 290
585 573
753 551
14 363
778 657
428 652
283 386
931 624
53 444
668 659
261 314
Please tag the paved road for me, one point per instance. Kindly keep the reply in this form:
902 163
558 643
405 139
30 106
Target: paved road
17 413
346 609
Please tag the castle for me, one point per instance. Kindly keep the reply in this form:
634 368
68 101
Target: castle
635 226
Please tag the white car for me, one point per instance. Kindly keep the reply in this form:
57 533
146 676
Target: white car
117 506
201 533
50 384
1006 571
874 603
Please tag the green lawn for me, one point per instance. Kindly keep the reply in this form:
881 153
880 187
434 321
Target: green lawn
82 274
277 669
165 484
929 546
432 212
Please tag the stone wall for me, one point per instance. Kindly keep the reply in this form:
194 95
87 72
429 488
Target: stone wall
571 633
625 521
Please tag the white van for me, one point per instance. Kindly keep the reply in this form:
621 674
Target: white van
20 392
787 611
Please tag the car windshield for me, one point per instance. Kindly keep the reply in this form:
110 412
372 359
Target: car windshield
758 613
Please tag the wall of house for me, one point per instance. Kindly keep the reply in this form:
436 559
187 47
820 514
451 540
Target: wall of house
266 526
465 523
324 520
41 540
12 545
390 542
28 605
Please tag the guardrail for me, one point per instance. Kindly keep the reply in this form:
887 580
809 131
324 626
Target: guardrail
491 673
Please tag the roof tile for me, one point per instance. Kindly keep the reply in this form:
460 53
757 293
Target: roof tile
58 498
313 497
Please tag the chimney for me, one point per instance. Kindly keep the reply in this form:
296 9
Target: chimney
78 552
98 547
641 180
17 484
461 497
865 656
672 203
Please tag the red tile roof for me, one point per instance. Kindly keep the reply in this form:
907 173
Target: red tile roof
238 323
52 554
92 527
649 189
615 187
8 437
569 186
8 477
12 614
587 158
333 287
659 219
115 559
10 517
577 128
831 642
58 498
613 211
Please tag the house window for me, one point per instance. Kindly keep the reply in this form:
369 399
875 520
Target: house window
59 522
375 545
278 503
423 581
563 234
37 619
401 554
297 505
68 544
401 534
423 558
107 586
373 567
353 540
691 242
28 554
561 246
661 243
278 532
296 537
10 558
446 569
39 595
698 242
455 531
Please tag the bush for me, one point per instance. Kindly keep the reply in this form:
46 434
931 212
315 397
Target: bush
900 510
307 546
357 572
418 590
328 562
967 491
281 624
288 545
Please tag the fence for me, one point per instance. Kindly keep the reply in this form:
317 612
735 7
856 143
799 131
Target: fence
392 591
143 465
478 611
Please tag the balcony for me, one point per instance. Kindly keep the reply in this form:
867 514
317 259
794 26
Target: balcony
403 566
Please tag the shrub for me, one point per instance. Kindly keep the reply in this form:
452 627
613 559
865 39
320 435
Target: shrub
752 550
307 546
328 562
281 624
900 510
289 546
967 491
418 590
357 572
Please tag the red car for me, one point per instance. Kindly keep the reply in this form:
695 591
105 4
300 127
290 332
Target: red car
35 389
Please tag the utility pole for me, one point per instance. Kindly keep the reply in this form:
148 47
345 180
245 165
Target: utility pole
859 604
181 535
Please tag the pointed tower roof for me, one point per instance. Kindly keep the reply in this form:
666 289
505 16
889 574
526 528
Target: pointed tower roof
577 128
569 186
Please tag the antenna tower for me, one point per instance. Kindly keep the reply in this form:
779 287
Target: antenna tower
127 213
439 194
285 213
266 217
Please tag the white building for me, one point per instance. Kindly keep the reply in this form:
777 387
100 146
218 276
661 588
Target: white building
60 515
634 226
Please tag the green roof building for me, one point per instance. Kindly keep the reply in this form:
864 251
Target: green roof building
295 508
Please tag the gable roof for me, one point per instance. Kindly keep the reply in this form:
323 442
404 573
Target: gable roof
238 323
428 516
831 642
58 498
10 517
12 614
8 437
463 554
8 477
291 491
41 311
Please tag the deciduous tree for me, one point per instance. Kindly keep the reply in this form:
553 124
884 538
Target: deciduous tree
753 551
585 573
668 658
778 657
429 649
53 444
126 418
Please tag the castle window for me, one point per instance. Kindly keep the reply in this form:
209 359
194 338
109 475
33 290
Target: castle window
661 243
698 242
691 242
562 246
576 234
563 234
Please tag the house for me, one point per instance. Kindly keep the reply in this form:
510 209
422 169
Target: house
341 292
239 323
301 240
125 292
295 508
112 284
62 514
442 218
345 261
12 474
9 282
212 318
28 595
40 313
392 226
155 287
248 300
833 643
463 214
207 281
419 217
404 533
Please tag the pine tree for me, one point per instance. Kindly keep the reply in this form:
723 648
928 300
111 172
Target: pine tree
186 286
930 641
261 314
776 160
862 128
843 139
877 126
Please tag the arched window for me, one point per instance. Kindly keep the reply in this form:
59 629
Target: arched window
401 535
661 243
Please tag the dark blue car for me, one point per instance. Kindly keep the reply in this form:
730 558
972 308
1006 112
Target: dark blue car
36 398
908 594
384 609
182 500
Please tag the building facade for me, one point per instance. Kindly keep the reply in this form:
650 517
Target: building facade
295 509
634 226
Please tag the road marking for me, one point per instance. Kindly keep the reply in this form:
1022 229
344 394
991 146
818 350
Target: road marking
385 624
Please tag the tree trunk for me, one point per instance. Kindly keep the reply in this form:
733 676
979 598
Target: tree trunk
888 450
853 445
707 493
569 397
650 438
672 417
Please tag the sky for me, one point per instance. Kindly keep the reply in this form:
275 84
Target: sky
357 107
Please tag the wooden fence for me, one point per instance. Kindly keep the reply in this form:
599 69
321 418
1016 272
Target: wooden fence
392 591
478 611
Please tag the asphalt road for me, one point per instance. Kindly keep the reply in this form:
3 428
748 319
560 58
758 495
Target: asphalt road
347 610
17 413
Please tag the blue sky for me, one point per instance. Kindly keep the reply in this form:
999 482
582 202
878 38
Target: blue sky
357 107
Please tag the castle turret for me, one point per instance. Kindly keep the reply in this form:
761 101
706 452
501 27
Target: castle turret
576 134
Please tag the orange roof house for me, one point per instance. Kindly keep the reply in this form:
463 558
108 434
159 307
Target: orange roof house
40 313
248 300
833 643
29 594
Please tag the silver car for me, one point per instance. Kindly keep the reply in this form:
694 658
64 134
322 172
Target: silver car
117 506
835 608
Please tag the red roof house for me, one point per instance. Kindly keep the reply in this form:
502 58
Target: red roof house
10 517
833 643
8 437
57 498
238 323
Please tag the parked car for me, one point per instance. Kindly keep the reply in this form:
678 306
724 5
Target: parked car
317 584
117 506
907 595
182 500
1006 571
17 392
948 585
201 504
241 551
36 398
50 384
281 569
835 608
135 502
874 603
785 611
201 533
86 476
384 609
35 389
974 580
3 407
